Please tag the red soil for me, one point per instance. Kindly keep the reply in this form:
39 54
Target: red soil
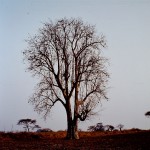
125 140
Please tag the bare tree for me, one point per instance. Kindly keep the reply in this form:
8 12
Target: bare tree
28 124
66 56
36 127
97 127
91 128
120 126
109 127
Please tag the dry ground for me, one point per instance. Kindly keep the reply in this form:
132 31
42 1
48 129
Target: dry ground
116 140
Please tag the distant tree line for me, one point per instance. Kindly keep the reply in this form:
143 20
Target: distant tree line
101 127
29 124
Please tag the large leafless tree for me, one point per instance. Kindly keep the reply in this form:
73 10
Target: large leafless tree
66 56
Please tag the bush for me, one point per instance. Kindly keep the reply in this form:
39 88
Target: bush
44 130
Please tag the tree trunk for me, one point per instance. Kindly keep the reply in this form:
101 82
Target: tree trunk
27 128
76 106
69 121
69 129
75 129
72 130
72 125
75 120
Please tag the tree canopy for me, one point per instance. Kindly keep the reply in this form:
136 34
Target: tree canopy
66 56
147 114
28 124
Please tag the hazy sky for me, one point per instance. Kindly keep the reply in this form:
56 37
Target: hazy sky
126 25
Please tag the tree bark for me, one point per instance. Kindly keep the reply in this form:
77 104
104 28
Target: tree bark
72 124
69 129
75 121
72 130
75 129
27 128
69 120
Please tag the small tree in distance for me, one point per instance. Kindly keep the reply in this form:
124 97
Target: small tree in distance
28 124
97 127
120 127
147 114
91 128
36 127
101 127
109 128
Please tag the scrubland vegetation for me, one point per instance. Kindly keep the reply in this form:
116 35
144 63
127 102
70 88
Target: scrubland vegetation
126 139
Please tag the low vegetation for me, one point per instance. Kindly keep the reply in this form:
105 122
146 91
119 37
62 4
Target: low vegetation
126 139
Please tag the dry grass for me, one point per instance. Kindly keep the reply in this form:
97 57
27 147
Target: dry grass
128 139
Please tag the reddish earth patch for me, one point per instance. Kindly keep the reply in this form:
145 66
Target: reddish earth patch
125 140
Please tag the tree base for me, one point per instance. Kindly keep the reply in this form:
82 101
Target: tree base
73 136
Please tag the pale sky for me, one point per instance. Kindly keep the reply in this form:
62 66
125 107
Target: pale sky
126 25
